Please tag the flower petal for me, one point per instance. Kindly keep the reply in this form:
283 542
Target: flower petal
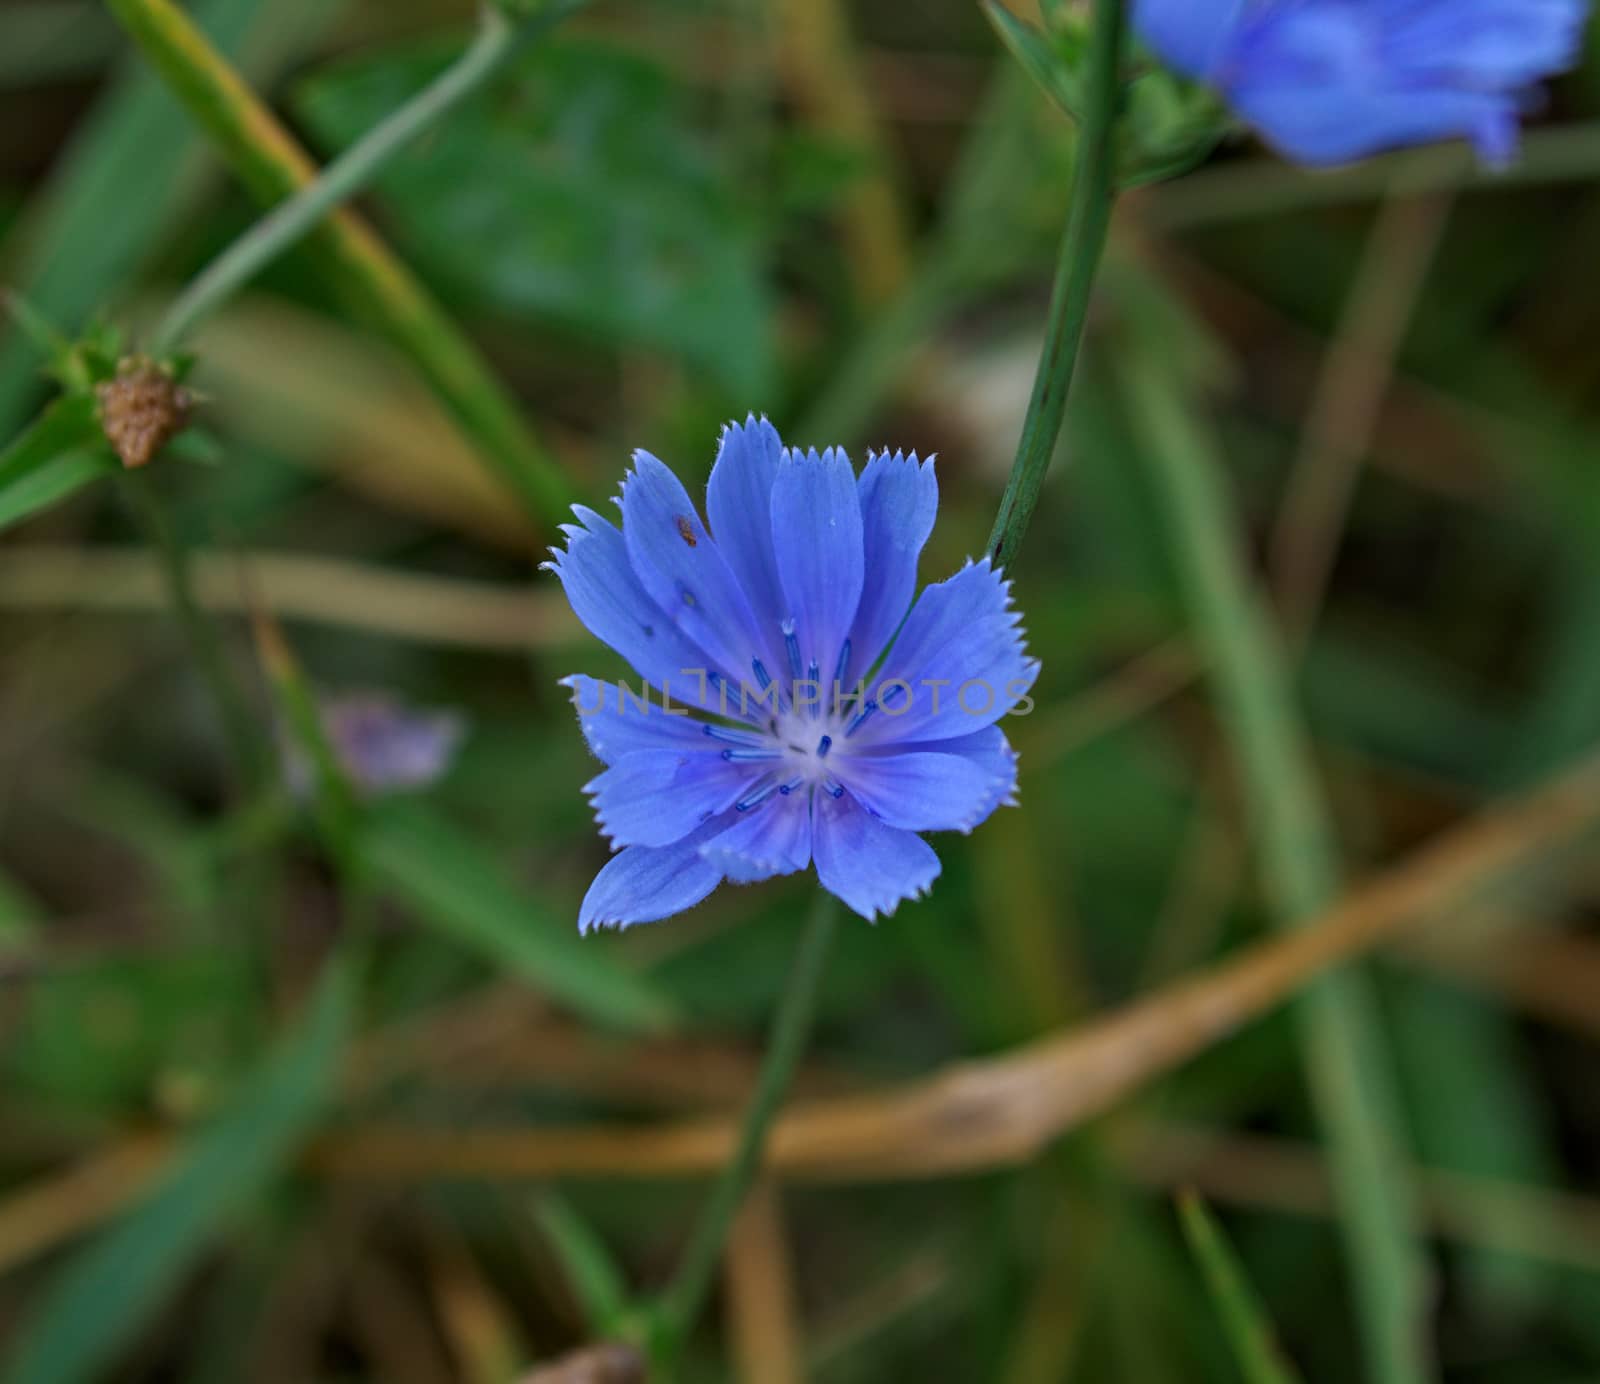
922 790
1509 43
613 605
990 750
959 665
656 797
644 883
1313 80
1330 82
773 839
680 567
899 500
868 864
817 536
1191 36
739 504
617 721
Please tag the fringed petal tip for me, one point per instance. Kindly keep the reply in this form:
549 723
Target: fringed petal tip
902 457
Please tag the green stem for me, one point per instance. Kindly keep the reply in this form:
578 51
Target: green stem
1088 218
378 286
239 727
347 175
686 1294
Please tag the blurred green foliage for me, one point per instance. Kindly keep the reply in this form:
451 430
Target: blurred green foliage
577 193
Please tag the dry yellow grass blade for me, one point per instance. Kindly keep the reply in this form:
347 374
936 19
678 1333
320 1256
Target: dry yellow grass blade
976 1115
63 1204
329 591
762 1308
1003 1110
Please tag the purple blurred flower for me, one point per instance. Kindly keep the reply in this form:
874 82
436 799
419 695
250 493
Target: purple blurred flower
382 746
1327 81
773 627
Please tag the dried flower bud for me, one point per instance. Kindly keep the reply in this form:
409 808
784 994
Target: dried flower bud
142 409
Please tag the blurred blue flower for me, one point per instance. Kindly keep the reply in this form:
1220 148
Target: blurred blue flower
382 746
1327 81
770 631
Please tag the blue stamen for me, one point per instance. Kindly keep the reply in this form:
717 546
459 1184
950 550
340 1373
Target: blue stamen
792 784
823 746
751 756
834 787
859 717
896 691
762 675
811 677
792 644
758 797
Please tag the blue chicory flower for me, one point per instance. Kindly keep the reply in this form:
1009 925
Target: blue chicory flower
805 748
381 745
1328 81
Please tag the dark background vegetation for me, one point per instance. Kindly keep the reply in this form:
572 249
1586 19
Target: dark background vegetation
845 217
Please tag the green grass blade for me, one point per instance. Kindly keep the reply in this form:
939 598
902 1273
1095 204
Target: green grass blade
60 454
591 1271
450 882
119 1279
1348 1066
119 186
1245 1323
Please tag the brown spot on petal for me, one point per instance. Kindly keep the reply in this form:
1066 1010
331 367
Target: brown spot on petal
686 531
142 410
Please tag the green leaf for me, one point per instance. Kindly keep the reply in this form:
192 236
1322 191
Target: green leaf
116 1282
452 883
575 191
1038 57
1243 1320
61 453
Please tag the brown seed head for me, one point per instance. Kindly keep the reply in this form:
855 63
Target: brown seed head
142 410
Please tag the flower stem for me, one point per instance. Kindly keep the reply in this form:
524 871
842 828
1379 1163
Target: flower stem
1088 218
686 1294
288 222
377 285
239 726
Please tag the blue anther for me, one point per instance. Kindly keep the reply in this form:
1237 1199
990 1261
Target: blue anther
859 717
792 644
823 746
